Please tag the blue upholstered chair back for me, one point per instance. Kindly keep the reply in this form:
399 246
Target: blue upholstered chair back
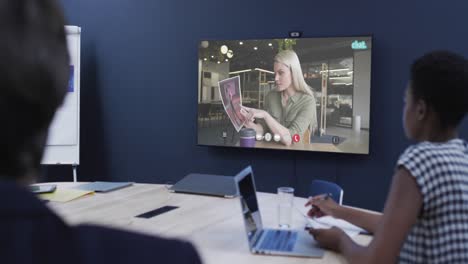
318 187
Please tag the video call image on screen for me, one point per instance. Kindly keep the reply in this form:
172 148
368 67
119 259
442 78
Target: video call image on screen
307 94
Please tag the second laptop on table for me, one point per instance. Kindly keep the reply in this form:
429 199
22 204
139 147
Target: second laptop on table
286 242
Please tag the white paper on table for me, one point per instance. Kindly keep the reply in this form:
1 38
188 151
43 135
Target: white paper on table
329 221
326 222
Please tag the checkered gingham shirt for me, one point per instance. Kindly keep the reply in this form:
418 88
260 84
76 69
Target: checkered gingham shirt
440 234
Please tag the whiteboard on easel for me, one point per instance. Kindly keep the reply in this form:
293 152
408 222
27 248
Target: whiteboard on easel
63 142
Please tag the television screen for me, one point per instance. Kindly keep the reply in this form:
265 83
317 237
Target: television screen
308 94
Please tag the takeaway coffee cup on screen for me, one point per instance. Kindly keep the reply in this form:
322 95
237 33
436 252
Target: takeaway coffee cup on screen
247 137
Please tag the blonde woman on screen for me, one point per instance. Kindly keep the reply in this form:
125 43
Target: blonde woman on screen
289 109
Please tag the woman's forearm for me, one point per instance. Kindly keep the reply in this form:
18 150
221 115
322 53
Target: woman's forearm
277 128
257 127
364 219
353 252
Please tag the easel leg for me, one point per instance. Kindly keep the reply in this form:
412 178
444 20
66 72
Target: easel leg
75 177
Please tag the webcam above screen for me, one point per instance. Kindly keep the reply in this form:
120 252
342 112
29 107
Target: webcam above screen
305 94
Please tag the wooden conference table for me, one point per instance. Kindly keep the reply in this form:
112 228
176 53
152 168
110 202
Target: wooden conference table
214 225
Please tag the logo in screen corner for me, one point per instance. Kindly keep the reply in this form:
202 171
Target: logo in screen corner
359 45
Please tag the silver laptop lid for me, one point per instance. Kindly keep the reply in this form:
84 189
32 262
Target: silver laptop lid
206 184
248 197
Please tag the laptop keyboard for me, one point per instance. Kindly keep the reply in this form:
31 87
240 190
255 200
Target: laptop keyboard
278 240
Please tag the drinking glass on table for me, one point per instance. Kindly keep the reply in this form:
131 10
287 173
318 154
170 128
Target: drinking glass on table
285 205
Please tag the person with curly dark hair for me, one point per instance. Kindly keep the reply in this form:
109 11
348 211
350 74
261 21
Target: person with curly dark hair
425 219
34 72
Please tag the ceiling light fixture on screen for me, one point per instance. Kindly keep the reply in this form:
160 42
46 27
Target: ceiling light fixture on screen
205 44
342 77
335 70
230 54
241 43
262 70
342 84
237 72
224 49
255 48
269 44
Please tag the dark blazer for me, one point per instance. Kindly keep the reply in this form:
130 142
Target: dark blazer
31 233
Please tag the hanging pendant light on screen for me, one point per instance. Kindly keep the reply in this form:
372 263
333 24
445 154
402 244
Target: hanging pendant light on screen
224 49
204 44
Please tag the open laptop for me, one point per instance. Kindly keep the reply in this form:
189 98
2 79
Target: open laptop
298 243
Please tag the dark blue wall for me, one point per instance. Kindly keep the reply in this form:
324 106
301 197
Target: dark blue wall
139 86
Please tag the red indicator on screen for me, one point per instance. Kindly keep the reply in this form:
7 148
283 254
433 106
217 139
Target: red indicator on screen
296 138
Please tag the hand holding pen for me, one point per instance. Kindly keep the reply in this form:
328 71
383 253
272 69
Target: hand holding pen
322 205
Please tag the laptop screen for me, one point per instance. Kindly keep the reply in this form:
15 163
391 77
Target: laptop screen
248 197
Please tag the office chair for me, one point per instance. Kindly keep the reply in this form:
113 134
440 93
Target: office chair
318 187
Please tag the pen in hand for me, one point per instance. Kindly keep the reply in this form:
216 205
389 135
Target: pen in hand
316 211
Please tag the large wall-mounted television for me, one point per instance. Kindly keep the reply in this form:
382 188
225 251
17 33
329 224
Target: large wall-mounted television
307 94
